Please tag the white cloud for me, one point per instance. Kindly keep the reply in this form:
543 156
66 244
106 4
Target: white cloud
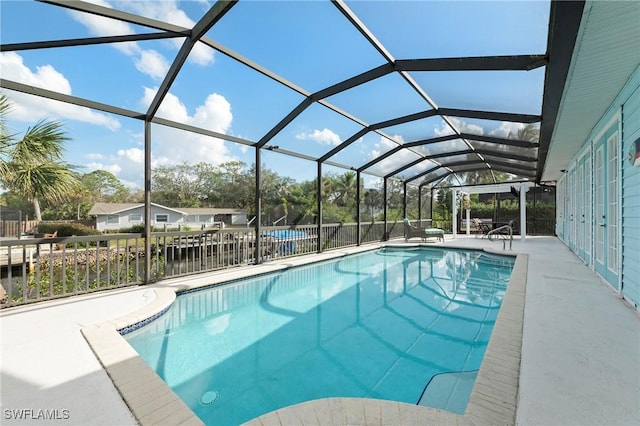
462 126
171 146
45 76
215 114
371 181
168 11
397 160
127 165
112 168
31 108
507 128
147 61
384 145
133 155
95 156
100 26
201 54
152 63
324 136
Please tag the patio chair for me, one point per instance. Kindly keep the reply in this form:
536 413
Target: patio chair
481 227
423 233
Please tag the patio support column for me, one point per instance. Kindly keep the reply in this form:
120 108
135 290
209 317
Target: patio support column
258 206
385 236
454 213
431 191
358 230
147 202
404 199
319 207
523 212
420 204
467 203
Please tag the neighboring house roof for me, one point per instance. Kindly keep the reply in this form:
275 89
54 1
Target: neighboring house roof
114 208
212 210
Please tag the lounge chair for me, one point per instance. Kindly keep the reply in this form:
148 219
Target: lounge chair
423 233
481 227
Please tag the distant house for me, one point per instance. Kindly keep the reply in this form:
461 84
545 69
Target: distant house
114 216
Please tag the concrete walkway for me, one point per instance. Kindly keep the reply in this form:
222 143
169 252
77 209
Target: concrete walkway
581 343
580 354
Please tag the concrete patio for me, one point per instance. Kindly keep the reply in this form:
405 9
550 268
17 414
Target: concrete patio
580 351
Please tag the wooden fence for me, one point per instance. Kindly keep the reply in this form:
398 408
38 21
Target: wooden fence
14 228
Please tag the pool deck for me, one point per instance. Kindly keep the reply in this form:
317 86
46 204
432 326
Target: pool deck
580 356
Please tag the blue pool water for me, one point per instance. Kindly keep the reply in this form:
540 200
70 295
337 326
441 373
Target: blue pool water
289 237
408 325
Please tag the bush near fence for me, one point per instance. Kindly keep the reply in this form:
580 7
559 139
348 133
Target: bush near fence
65 229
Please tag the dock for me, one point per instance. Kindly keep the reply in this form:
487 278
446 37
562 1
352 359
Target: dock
17 257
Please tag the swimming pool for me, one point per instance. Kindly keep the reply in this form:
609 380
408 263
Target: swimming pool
289 239
382 324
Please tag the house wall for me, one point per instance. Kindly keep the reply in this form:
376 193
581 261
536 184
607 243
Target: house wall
192 221
238 219
577 223
631 195
124 222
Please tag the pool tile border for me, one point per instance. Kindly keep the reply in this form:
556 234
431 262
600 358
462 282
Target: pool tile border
493 399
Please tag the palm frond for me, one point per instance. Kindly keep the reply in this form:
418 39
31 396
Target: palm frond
44 141
49 181
5 137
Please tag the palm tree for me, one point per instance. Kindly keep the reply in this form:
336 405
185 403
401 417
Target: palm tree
33 165
346 188
478 177
372 199
4 135
530 132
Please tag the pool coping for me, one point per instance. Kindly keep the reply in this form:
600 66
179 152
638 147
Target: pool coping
493 399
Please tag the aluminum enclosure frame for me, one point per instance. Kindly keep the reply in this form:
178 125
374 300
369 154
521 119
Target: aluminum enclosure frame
564 21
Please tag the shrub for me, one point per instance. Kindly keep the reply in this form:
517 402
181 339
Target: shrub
66 229
139 229
135 229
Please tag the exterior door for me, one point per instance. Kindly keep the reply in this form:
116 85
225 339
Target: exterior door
572 209
565 211
606 208
560 209
586 228
579 209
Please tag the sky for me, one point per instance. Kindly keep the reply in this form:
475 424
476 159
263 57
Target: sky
308 43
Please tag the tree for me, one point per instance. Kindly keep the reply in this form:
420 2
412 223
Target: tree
239 184
372 200
5 138
345 185
530 132
395 199
95 187
103 186
33 165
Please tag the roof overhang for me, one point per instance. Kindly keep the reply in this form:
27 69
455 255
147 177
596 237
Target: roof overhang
606 53
497 188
